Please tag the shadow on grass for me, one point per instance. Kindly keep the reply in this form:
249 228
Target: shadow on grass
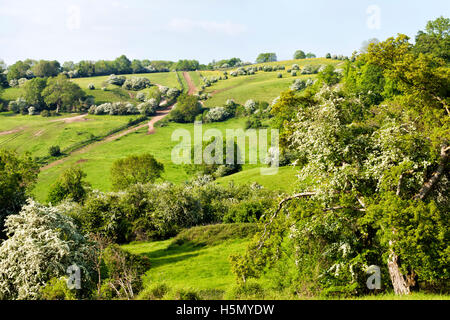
173 253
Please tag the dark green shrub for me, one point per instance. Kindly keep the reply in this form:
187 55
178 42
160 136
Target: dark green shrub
54 151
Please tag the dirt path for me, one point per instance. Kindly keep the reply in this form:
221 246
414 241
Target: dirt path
2 133
81 117
192 87
151 129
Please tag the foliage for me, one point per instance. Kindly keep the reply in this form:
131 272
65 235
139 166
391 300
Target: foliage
186 109
136 83
43 242
266 57
123 272
329 75
54 151
299 54
70 185
217 114
33 92
435 39
380 173
117 80
18 106
135 169
62 93
18 176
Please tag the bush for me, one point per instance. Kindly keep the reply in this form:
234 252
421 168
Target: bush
250 106
172 93
186 109
56 289
141 96
247 211
253 123
217 114
124 271
295 67
135 169
69 185
299 84
293 73
136 83
31 111
54 151
154 292
279 75
43 243
310 69
117 80
18 106
329 75
147 108
45 113
91 86
116 108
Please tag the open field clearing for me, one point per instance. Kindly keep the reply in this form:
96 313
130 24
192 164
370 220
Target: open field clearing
97 160
37 134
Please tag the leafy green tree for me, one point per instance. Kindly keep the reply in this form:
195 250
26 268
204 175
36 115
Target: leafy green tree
136 66
85 68
186 109
46 68
135 169
33 89
310 55
17 71
62 93
435 39
329 75
381 180
18 176
299 54
266 57
187 65
69 185
123 65
3 80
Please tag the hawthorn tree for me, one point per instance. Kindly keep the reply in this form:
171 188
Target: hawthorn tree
380 176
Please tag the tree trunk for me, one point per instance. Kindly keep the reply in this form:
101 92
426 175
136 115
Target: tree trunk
401 286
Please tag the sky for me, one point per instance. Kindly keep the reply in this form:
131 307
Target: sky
204 30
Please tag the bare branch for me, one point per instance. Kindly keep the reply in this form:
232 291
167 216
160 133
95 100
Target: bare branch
436 176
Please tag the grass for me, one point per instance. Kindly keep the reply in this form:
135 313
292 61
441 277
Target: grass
262 86
199 260
113 93
285 180
35 134
97 161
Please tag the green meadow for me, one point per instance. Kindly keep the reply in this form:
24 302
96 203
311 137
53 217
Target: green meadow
35 134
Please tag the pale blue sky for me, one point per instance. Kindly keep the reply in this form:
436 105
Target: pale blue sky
202 29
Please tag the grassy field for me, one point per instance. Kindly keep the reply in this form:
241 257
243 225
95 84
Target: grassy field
97 161
193 263
285 180
113 93
262 86
197 260
35 134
